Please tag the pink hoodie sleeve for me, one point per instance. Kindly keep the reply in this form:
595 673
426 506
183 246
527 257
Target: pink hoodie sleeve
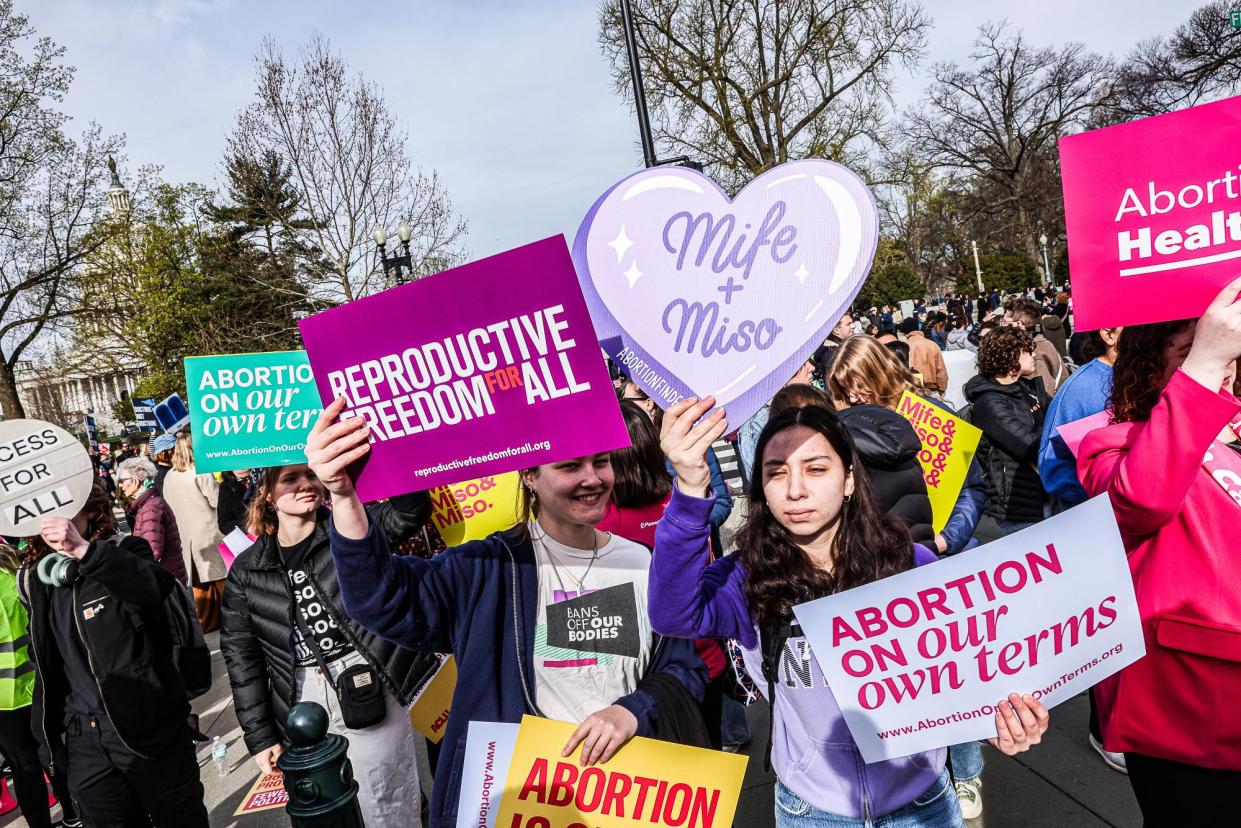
1148 473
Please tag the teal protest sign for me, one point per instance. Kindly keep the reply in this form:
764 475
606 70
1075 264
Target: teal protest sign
250 410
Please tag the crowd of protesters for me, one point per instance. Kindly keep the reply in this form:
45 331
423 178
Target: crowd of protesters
834 497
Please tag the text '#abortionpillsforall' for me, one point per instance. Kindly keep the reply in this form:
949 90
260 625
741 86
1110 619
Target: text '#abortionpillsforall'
459 377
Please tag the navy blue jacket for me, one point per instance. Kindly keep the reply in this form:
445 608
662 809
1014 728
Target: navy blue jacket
465 601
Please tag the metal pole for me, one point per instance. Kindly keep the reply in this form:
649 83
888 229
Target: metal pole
1046 266
977 267
317 773
639 96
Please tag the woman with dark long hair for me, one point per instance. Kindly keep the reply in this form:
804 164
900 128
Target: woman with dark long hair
287 638
867 375
1171 464
813 529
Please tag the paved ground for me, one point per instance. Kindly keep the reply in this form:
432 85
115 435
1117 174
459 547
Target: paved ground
1062 784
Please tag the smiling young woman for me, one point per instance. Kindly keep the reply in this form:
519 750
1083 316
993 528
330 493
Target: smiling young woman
548 618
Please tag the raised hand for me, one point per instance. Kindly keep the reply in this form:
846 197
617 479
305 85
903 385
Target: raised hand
1217 340
60 533
332 446
685 444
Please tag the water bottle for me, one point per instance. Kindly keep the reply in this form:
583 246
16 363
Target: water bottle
219 755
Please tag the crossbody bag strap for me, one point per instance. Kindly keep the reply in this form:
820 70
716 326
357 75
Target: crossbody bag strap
771 643
309 639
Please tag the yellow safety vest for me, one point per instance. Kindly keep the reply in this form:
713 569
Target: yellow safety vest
17 671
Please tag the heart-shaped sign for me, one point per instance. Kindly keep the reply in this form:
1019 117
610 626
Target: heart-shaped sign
692 293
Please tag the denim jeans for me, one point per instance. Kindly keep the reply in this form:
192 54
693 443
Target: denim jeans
966 760
734 726
937 807
1009 527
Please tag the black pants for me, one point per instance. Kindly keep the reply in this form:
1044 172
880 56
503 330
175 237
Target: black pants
116 788
20 748
1095 730
1175 794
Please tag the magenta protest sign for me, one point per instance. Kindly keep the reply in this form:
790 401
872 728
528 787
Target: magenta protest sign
1153 214
482 369
694 293
921 659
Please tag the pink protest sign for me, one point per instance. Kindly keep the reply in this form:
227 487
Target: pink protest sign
921 659
1153 214
482 369
1073 433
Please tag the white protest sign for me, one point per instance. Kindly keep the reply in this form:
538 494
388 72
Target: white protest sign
488 751
961 369
44 471
919 660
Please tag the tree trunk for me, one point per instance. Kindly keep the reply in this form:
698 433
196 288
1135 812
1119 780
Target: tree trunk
1029 240
10 404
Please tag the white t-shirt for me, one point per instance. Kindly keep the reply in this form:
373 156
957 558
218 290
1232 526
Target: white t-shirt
590 648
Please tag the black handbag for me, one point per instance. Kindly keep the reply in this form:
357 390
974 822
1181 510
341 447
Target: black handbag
358 689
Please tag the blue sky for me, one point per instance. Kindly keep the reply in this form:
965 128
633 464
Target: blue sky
510 100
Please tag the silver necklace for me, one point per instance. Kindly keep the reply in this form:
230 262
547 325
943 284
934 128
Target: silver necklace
564 571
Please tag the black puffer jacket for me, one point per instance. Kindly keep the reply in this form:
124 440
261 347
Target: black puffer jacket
1011 419
256 627
888 447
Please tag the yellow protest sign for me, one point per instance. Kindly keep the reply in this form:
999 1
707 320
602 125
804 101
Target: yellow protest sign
948 447
647 783
474 509
266 793
429 714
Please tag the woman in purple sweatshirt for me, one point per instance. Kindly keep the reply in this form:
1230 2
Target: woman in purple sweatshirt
814 528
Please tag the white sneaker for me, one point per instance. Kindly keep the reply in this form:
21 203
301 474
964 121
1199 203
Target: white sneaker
1115 761
969 793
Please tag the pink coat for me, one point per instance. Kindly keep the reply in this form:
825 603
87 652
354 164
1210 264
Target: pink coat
1179 527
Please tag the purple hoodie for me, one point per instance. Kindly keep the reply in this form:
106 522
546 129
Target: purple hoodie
813 753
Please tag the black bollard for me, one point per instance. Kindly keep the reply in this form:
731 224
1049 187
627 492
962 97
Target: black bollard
317 773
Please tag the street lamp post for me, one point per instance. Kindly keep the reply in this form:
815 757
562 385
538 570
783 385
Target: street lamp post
639 94
1042 240
977 267
639 99
397 268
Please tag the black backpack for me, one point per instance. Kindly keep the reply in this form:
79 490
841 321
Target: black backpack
190 653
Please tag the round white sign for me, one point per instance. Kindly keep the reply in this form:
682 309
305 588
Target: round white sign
44 470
